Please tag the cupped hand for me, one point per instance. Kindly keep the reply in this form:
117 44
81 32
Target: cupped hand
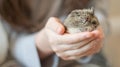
72 46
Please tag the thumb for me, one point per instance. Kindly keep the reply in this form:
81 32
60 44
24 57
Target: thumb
55 25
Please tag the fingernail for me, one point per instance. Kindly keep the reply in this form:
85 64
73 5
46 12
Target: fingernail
58 30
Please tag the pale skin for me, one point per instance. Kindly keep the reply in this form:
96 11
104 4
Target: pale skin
54 39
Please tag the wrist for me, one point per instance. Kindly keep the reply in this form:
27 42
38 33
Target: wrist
42 44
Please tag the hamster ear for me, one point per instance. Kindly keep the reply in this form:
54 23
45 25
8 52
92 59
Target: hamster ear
92 10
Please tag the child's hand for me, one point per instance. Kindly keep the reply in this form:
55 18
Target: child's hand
72 46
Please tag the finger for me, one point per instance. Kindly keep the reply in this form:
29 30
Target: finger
97 46
74 38
66 47
82 43
55 25
98 33
77 52
71 58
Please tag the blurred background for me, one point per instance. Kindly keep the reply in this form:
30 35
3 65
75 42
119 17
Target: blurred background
112 47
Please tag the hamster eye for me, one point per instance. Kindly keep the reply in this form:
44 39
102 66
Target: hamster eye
76 13
94 22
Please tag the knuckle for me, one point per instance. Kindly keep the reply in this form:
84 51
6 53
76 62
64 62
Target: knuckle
65 58
72 58
78 54
68 58
55 49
